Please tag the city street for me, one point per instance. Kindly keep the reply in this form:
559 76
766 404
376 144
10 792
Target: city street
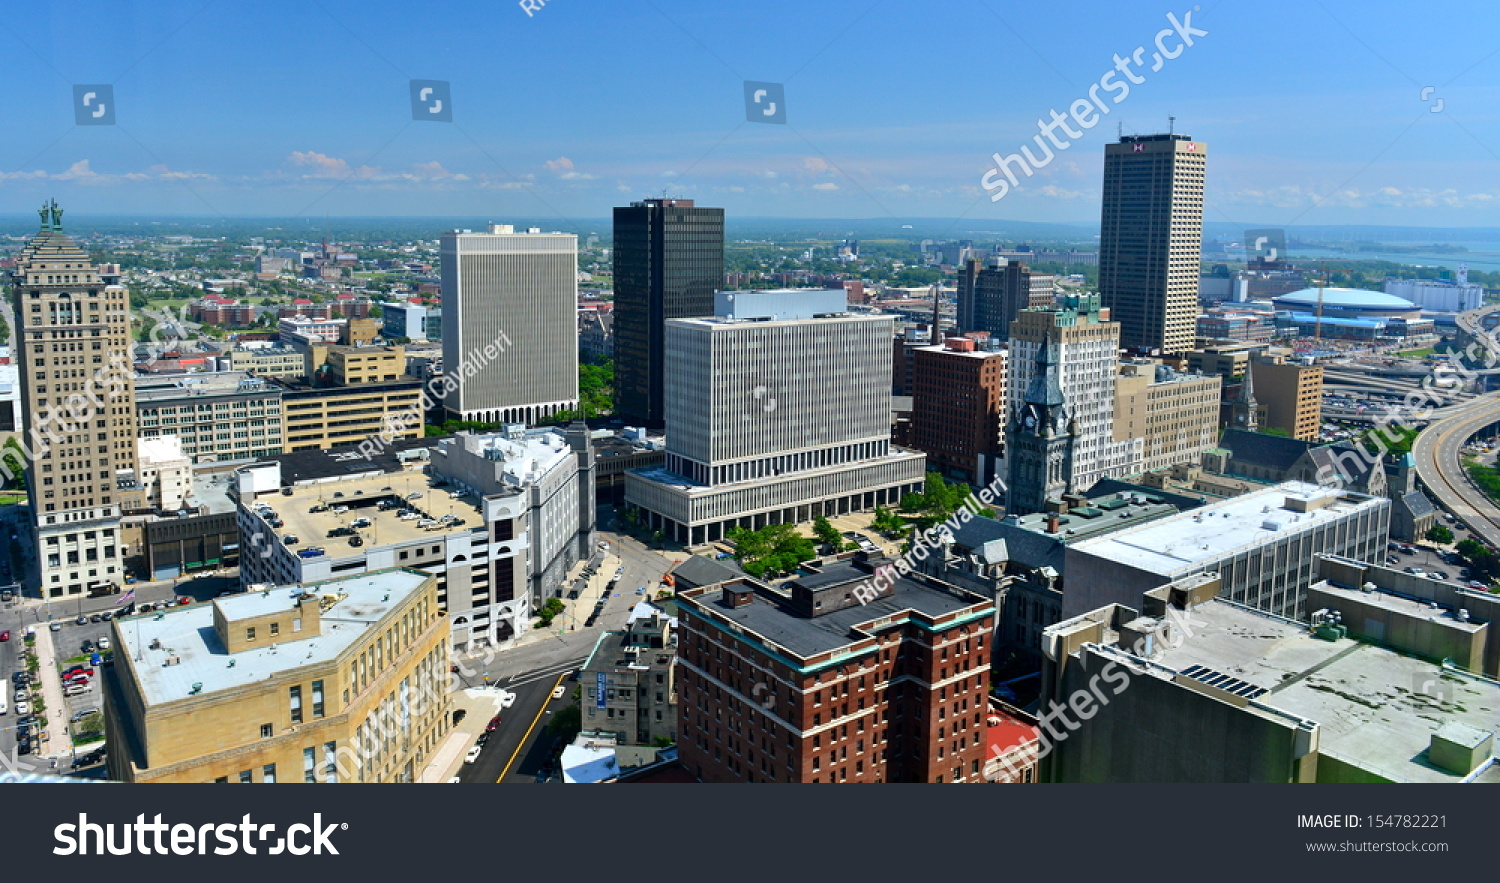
543 660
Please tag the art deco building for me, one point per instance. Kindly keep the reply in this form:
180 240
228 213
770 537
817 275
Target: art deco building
78 390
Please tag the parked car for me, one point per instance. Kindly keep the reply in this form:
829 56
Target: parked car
104 643
493 724
558 693
23 708
82 620
5 636
473 754
54 625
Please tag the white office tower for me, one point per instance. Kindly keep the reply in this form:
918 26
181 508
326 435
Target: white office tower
777 410
510 324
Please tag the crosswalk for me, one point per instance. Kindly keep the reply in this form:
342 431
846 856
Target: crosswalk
548 673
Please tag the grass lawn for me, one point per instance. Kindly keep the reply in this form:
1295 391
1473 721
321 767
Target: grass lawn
8 498
1416 354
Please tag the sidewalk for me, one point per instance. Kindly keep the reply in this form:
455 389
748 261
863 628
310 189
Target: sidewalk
481 705
577 609
55 720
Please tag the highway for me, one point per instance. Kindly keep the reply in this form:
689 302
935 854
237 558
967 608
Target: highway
1437 451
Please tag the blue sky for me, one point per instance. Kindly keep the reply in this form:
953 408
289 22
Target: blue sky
1313 113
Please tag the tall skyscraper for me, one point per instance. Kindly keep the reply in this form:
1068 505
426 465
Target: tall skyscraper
1082 356
992 293
78 391
777 410
668 262
1151 237
510 324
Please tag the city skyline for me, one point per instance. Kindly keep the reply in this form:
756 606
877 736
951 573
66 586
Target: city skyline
1371 125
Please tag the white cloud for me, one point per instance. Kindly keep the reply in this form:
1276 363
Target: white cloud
321 165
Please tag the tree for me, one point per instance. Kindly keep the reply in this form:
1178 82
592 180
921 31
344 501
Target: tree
1439 534
567 723
886 521
938 500
827 534
771 550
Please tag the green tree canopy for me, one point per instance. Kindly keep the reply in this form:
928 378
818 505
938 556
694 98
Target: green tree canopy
771 550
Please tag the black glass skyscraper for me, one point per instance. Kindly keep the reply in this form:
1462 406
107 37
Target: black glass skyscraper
668 262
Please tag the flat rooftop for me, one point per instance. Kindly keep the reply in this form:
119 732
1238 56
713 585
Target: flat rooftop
1100 515
663 476
1385 599
361 495
187 633
1172 545
771 617
163 388
1374 706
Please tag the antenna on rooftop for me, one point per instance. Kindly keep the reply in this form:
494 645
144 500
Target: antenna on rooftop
1171 125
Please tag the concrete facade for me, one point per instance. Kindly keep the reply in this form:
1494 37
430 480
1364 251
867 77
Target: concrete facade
510 327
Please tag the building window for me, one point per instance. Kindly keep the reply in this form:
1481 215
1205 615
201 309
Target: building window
330 768
275 629
317 698
222 780
245 777
250 633
309 758
265 731
295 696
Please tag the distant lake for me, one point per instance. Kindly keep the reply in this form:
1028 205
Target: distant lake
1483 256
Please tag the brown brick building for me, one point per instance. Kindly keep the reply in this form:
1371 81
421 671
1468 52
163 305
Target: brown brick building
958 408
804 683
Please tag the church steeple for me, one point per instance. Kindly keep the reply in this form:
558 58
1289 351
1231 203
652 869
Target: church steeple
1040 443
1243 407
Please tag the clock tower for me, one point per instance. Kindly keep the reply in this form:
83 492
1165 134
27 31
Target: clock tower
1040 439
